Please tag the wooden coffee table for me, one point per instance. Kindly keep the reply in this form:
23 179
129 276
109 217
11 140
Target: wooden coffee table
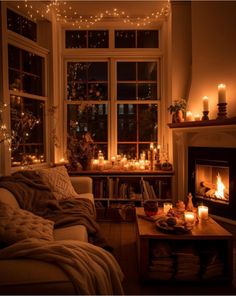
203 234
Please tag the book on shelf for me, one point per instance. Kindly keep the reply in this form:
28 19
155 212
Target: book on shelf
148 190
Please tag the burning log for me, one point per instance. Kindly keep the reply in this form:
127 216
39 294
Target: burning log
209 190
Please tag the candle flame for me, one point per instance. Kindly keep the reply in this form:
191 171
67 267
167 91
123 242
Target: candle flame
220 188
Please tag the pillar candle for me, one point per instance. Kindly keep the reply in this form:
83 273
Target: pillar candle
205 103
221 93
203 212
197 117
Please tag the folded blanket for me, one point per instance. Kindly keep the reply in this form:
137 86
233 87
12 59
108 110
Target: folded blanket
92 270
33 195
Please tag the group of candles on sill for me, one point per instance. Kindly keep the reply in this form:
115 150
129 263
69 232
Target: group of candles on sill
146 162
221 106
189 216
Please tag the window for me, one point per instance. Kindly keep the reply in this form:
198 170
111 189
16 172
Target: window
136 38
21 25
27 101
87 39
137 123
25 71
117 100
87 83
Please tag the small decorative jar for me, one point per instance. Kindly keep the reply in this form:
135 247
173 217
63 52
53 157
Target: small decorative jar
150 207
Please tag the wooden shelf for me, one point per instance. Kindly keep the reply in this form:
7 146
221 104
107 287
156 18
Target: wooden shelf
121 172
212 122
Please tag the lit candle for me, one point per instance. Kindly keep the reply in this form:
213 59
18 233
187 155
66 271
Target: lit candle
197 117
95 164
203 212
221 93
205 103
189 116
189 217
167 206
151 146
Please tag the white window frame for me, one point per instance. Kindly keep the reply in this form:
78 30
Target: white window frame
28 45
115 55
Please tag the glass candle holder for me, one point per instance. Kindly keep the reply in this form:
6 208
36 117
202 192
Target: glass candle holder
167 206
202 212
189 217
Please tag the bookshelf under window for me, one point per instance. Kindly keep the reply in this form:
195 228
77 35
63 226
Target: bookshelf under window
117 193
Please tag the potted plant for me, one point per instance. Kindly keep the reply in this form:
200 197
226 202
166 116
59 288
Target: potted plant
178 109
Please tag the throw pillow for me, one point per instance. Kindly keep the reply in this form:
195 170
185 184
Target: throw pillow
18 224
59 182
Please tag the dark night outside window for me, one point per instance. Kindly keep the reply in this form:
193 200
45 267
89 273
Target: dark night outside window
136 39
21 25
87 39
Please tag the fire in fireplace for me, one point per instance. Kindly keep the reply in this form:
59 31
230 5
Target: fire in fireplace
212 182
212 179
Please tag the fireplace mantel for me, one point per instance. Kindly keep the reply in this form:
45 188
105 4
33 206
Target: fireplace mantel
204 123
197 134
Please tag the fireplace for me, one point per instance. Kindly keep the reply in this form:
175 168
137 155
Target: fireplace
212 179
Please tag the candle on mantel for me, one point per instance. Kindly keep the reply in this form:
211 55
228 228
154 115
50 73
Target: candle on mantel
221 93
203 212
189 116
205 103
197 117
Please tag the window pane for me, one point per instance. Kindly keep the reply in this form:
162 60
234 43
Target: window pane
77 71
76 39
147 91
137 127
21 25
147 71
88 118
25 71
98 39
126 71
147 39
127 122
86 72
126 91
97 71
147 123
125 39
13 57
27 125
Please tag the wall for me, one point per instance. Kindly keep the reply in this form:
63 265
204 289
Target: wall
181 49
213 54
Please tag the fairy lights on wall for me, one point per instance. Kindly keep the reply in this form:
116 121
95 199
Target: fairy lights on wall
66 13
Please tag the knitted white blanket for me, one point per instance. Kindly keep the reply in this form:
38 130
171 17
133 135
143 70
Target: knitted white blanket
92 270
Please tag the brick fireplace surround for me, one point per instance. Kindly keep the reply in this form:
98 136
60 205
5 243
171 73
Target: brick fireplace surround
193 135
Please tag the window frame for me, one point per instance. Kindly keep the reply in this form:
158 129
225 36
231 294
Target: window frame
113 55
23 43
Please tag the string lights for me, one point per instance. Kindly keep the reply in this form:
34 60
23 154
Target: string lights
5 134
66 13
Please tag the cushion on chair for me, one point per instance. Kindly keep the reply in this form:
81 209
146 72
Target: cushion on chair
59 182
18 224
